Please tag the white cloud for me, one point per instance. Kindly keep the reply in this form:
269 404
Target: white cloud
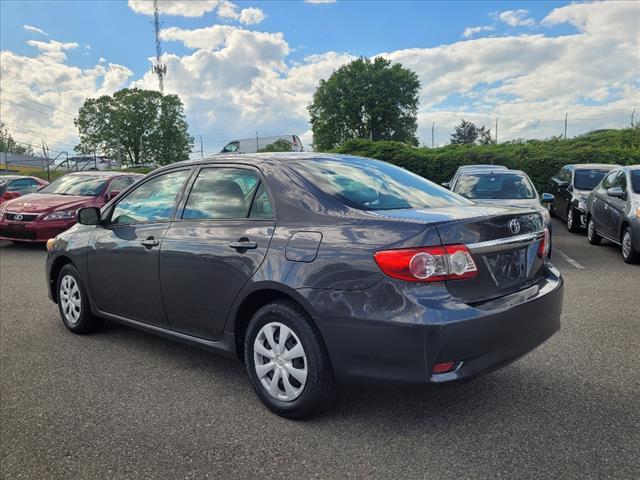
471 31
32 29
247 16
250 16
184 8
516 18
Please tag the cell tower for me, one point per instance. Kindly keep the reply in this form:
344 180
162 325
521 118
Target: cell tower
159 69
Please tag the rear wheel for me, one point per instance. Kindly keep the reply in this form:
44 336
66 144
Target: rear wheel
287 361
572 220
629 254
592 234
73 302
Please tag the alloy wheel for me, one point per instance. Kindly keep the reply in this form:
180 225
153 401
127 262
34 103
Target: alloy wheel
590 230
626 244
70 299
570 219
280 361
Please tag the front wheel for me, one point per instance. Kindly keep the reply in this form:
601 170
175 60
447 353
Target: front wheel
572 220
629 254
73 302
592 234
287 361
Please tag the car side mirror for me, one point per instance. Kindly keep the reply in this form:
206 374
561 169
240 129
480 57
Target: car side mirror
89 216
616 192
112 194
446 184
547 198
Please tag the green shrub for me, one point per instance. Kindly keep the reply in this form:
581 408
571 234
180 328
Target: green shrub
540 159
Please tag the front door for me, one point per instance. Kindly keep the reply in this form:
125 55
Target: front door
123 259
213 249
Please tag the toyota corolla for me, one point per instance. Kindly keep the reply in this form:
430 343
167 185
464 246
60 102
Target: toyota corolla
313 270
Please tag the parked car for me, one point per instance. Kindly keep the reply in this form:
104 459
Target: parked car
255 144
464 168
313 269
13 186
36 217
502 187
613 211
570 188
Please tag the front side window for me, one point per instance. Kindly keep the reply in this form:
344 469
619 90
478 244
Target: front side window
587 178
621 180
231 147
374 185
498 186
83 185
609 180
220 193
564 175
152 201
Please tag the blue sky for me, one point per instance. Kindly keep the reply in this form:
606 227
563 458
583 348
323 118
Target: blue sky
527 62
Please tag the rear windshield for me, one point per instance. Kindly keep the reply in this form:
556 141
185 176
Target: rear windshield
587 179
373 185
83 185
498 186
635 180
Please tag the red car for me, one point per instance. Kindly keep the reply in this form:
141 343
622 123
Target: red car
53 209
14 186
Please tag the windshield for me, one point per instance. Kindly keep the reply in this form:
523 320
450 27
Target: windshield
374 185
497 186
587 179
84 185
635 180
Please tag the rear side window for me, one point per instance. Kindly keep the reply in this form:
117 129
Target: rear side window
373 185
154 200
635 180
23 185
261 207
220 193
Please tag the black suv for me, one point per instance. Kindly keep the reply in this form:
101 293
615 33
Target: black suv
570 188
613 211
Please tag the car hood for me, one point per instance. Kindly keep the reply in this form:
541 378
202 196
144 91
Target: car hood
43 202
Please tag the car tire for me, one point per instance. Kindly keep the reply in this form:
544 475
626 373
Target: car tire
305 385
572 221
629 254
73 302
592 234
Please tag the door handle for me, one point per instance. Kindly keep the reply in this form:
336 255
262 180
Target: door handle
243 245
150 242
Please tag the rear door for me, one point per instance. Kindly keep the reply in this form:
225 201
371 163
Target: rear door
123 259
218 242
601 217
616 206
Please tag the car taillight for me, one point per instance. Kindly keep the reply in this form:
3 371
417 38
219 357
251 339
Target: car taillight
545 245
427 264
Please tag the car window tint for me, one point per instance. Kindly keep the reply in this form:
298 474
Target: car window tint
494 186
620 180
635 180
154 200
374 185
221 193
23 185
261 207
119 184
231 147
588 178
609 180
564 175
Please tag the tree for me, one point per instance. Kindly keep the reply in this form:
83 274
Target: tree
9 145
468 133
365 99
135 125
280 145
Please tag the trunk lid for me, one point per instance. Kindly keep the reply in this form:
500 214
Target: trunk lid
503 242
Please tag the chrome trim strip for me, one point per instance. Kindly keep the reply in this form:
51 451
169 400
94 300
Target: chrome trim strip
505 243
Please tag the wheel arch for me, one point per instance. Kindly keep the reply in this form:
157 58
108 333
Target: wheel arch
623 227
56 266
259 296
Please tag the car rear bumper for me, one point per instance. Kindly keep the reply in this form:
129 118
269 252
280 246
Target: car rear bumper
33 232
419 332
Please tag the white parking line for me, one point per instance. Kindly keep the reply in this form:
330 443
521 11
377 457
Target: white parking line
570 260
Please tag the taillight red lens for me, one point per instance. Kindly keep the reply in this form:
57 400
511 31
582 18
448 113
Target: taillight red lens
427 264
544 245
443 367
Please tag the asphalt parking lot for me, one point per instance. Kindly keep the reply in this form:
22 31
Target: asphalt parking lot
125 404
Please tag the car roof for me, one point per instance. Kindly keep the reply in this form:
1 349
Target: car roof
482 166
601 166
489 171
15 177
98 173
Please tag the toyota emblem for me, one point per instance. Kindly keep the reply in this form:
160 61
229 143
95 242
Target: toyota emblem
514 226
18 217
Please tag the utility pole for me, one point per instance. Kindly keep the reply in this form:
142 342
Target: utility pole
566 115
433 141
632 114
257 145
201 147
159 69
496 130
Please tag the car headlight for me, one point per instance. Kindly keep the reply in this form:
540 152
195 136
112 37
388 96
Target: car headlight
61 215
582 205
